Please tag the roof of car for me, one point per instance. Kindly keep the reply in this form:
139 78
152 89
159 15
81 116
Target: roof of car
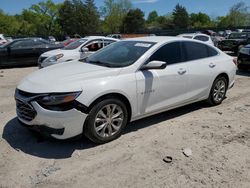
157 39
193 34
99 37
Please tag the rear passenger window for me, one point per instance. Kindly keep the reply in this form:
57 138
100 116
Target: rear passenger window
195 50
170 53
211 51
201 38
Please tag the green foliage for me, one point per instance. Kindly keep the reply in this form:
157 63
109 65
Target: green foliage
200 20
133 21
82 17
180 17
43 17
238 16
152 17
113 13
76 17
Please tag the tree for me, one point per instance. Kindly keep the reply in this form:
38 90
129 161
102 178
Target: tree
200 20
44 16
9 25
73 17
238 16
92 19
180 17
152 17
113 13
134 21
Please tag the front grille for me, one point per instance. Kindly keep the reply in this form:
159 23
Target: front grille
25 111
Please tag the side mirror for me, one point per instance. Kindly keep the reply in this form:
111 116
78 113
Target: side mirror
154 65
84 50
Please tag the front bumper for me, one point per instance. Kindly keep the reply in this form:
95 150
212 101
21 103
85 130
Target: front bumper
59 124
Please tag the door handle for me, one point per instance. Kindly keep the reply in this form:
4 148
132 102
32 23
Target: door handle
182 71
212 65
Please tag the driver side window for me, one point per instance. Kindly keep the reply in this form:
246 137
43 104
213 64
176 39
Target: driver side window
95 46
169 53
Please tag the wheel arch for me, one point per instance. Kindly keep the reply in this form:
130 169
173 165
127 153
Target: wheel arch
116 95
225 75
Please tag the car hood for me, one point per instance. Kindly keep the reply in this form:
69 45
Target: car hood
65 77
52 53
66 53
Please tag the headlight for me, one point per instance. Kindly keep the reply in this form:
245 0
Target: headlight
53 58
245 50
57 99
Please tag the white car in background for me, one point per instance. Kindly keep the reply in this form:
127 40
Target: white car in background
76 50
123 82
2 39
198 36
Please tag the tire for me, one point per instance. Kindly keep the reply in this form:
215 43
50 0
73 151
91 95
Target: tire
99 127
218 92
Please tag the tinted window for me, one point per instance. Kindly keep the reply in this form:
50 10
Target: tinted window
195 50
170 53
211 51
22 44
201 38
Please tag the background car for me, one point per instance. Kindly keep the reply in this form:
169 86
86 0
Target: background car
24 51
2 39
68 41
244 58
198 36
79 49
123 82
234 42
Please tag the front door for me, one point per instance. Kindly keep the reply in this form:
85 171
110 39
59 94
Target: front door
165 88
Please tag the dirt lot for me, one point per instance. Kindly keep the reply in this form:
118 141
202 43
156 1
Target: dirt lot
218 136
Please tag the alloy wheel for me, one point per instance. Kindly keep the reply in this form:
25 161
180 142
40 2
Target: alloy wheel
219 91
108 120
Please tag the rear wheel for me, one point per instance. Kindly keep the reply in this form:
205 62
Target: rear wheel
218 91
106 121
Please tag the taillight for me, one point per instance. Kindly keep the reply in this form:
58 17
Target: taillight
235 61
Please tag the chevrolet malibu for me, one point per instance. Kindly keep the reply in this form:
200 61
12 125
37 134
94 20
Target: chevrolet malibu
128 80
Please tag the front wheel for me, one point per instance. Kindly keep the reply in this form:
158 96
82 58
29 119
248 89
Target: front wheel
106 121
218 91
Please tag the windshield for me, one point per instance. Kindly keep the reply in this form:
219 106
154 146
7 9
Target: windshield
75 44
238 36
120 54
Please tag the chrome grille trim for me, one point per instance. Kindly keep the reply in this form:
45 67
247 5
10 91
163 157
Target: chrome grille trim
25 111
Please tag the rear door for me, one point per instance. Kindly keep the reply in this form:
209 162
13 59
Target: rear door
202 68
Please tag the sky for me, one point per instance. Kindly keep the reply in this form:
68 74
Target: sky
213 8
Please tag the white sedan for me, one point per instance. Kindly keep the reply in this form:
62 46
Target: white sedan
78 49
198 36
125 81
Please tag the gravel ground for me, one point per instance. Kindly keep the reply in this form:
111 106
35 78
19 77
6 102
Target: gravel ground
219 138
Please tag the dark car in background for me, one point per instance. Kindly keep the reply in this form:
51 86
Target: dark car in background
25 51
244 58
234 42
